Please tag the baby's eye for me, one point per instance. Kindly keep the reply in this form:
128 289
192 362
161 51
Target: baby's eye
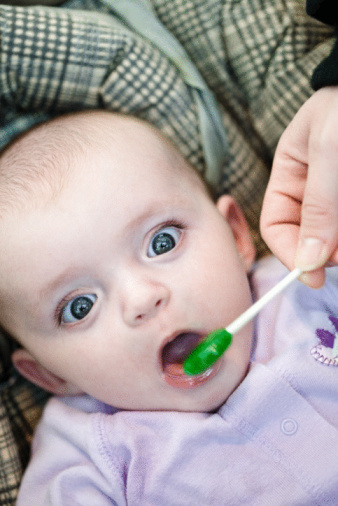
163 241
77 308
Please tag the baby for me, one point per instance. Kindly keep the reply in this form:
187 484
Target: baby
115 262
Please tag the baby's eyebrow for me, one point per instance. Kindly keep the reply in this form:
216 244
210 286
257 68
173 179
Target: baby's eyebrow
151 210
154 210
59 280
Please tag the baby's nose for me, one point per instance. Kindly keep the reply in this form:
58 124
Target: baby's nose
143 301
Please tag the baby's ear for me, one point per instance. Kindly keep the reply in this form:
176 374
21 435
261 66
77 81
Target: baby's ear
32 370
233 214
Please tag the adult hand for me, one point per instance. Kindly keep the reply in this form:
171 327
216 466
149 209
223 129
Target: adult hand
299 219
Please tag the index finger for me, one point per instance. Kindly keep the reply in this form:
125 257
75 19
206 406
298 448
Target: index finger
281 212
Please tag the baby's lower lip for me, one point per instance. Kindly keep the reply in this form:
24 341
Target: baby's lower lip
176 377
173 356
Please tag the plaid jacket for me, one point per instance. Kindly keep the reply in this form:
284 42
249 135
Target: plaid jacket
256 57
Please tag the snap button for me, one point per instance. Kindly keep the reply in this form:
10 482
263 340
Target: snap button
289 426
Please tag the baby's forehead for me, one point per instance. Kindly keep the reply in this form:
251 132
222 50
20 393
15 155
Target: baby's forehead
34 168
55 143
43 161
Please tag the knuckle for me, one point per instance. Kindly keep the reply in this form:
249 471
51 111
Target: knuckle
327 139
317 213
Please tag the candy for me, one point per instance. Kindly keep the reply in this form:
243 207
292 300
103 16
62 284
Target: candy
207 352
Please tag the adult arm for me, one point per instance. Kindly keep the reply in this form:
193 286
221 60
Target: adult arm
326 73
300 212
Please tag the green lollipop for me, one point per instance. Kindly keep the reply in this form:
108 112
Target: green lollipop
216 343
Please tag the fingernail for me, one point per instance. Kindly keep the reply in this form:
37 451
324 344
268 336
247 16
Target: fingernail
307 279
304 278
310 254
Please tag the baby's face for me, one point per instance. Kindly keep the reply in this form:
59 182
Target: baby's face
127 258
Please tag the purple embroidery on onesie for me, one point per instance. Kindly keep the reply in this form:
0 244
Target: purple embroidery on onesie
327 351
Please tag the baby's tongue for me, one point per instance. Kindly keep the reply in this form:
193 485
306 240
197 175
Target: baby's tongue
175 352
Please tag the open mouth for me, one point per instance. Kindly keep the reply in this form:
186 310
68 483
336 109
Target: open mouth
173 356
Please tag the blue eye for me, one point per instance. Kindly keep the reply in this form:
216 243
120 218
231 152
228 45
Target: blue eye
78 308
163 241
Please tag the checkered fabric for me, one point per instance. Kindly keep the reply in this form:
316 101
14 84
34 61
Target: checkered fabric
55 60
256 56
21 405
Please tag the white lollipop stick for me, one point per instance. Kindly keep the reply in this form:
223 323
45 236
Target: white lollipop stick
245 317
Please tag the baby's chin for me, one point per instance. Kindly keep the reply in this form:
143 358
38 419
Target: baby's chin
209 404
205 399
186 403
220 389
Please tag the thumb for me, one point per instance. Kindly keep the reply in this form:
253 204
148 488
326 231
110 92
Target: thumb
311 256
313 248
318 235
